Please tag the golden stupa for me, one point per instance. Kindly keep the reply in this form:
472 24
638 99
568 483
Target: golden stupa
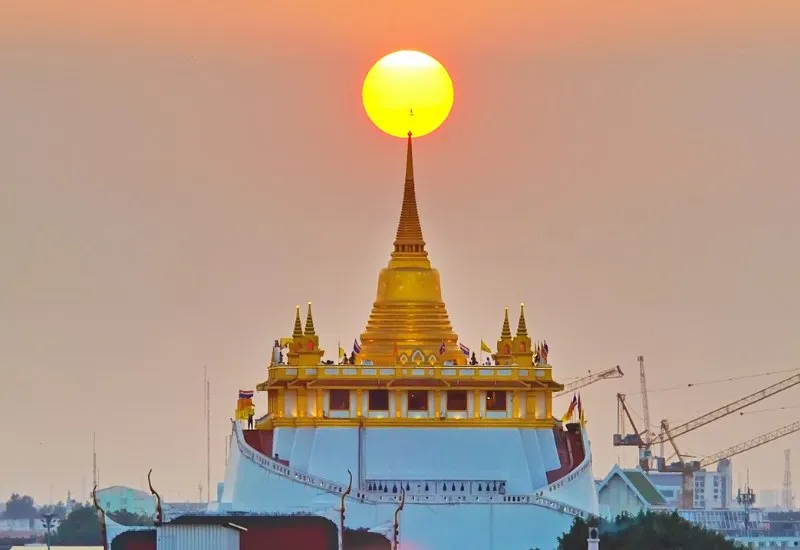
409 321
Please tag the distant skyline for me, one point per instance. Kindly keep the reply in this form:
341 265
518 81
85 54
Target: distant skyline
174 181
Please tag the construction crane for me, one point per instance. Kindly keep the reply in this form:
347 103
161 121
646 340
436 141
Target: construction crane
635 439
645 405
641 439
672 433
750 444
616 372
687 469
644 439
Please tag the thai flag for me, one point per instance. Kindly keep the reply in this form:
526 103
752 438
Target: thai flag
356 346
246 394
441 349
464 349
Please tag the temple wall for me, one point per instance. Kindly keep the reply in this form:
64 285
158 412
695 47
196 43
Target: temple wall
251 488
470 453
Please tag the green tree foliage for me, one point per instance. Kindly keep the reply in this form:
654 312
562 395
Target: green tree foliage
82 526
20 507
651 530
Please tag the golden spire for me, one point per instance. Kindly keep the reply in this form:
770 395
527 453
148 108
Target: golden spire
298 327
309 322
522 329
409 246
408 311
506 332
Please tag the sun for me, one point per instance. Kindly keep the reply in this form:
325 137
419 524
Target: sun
407 91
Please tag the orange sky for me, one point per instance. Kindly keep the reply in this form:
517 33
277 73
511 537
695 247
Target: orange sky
174 182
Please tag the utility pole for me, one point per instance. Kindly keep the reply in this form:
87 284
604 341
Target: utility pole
47 519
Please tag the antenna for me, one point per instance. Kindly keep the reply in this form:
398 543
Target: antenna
208 431
788 498
94 459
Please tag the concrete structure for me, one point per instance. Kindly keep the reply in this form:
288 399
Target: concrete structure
628 492
118 498
712 490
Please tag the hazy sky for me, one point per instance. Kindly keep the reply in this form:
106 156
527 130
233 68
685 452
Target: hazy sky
173 181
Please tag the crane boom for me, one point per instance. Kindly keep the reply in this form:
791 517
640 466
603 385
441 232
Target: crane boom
730 408
750 444
616 372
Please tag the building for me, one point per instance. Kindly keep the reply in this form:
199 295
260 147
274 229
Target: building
628 492
411 426
711 490
118 498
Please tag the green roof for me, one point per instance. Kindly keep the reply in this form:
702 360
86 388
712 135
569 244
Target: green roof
645 487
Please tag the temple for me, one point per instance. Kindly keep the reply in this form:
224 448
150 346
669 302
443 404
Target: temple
410 369
409 437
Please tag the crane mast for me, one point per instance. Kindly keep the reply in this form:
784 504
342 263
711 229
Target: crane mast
645 405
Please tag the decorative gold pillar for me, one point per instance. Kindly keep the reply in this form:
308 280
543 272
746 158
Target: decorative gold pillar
359 400
515 405
548 404
302 402
530 405
476 403
398 404
437 403
320 404
281 403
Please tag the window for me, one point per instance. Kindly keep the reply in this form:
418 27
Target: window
457 400
378 400
495 400
418 400
340 400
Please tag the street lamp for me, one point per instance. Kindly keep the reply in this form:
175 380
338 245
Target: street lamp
48 519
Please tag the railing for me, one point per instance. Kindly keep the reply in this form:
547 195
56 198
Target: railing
297 476
536 373
445 487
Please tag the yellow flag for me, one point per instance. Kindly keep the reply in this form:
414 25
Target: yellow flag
341 351
285 342
485 348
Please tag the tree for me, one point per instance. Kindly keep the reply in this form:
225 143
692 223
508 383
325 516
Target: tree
20 507
80 528
651 530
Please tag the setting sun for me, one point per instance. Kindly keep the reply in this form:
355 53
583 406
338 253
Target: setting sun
407 91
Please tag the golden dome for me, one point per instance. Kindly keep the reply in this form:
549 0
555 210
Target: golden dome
409 314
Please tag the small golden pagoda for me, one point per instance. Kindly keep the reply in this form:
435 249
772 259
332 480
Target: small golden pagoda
410 370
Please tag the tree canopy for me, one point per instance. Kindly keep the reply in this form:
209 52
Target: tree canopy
20 507
82 526
651 530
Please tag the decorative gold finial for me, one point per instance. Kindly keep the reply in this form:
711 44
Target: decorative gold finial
522 329
409 242
298 327
506 332
309 322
